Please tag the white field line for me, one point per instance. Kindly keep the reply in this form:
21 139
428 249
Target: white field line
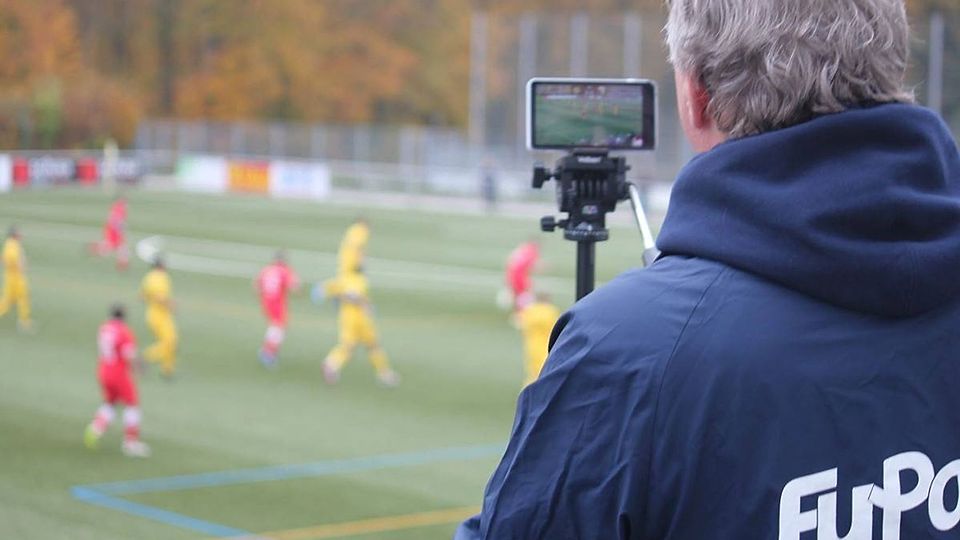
148 249
225 259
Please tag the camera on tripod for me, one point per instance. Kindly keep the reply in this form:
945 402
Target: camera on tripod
589 119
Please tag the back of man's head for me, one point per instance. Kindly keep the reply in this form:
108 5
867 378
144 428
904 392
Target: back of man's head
771 64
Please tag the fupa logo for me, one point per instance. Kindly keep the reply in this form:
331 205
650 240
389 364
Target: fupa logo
890 498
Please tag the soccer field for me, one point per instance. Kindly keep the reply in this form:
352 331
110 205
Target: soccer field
239 450
566 123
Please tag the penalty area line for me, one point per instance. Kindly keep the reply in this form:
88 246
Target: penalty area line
206 528
390 274
219 258
109 495
297 471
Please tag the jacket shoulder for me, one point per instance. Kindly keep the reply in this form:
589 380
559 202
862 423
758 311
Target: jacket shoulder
589 419
641 313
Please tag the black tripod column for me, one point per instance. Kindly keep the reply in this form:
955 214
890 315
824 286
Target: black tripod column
586 267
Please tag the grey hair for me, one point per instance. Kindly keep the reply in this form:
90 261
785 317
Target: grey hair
770 64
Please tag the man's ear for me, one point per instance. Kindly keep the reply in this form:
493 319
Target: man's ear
700 99
698 103
698 123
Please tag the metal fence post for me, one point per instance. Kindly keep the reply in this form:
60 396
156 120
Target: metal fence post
579 44
935 75
277 139
632 45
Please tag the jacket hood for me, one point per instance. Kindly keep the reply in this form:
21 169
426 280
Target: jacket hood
859 209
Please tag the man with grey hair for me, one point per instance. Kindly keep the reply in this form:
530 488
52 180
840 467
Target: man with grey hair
788 369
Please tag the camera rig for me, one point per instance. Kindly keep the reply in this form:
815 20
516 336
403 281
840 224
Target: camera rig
590 183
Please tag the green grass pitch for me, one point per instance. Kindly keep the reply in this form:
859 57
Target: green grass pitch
434 278
562 122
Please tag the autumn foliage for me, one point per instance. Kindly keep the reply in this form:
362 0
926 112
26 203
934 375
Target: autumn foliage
74 72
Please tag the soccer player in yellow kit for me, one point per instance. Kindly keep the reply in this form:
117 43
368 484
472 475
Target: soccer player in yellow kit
356 327
157 292
15 289
353 248
536 322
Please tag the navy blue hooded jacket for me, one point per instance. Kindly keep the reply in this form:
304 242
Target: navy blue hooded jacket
789 369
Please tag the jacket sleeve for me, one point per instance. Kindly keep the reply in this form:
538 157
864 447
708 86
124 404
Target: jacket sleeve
576 466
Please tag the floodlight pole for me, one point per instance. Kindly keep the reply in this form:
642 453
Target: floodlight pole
478 80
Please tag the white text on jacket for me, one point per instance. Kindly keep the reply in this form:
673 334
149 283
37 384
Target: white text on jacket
891 498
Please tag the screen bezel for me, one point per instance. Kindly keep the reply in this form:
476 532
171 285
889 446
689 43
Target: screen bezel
649 112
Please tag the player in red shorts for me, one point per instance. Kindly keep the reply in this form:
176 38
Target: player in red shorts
114 235
273 284
118 351
521 263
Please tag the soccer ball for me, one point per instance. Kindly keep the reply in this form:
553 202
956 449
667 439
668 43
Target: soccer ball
504 300
317 294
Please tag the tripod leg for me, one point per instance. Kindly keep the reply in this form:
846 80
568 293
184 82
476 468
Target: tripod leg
650 252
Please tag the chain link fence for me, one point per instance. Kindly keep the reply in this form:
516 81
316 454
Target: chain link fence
505 53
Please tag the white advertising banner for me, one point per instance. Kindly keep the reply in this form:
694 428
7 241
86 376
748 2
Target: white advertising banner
204 174
6 173
299 180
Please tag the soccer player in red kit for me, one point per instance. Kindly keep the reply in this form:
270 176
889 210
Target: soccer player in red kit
273 284
114 235
521 263
117 353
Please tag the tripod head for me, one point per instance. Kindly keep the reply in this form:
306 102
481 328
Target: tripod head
590 183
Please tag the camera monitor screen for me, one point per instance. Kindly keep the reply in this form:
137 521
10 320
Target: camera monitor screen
611 114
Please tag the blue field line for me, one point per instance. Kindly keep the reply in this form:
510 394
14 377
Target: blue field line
304 470
205 528
108 495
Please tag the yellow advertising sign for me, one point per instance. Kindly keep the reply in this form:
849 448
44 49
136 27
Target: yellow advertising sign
249 176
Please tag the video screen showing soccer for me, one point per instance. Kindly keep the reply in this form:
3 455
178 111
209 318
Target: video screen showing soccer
590 115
